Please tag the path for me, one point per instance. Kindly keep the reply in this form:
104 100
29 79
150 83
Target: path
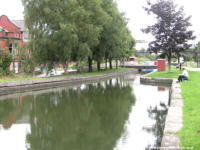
192 69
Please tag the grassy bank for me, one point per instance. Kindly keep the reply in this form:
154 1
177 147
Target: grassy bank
16 78
190 133
165 74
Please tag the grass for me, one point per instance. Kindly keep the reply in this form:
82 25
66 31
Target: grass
95 72
190 133
165 74
16 78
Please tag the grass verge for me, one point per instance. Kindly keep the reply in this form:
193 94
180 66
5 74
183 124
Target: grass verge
190 133
165 74
16 78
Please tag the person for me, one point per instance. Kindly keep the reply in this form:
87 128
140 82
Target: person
183 76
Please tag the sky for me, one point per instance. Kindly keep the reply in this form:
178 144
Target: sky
134 11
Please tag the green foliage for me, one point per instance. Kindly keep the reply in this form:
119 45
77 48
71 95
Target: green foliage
5 61
26 61
28 65
61 31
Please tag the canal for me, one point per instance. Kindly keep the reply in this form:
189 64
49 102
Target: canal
114 114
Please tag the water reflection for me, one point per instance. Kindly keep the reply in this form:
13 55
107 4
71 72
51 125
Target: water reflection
119 114
158 114
144 128
83 118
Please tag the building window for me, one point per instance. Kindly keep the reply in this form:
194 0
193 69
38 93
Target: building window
10 48
4 33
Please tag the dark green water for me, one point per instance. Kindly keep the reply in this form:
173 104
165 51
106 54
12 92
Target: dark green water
117 114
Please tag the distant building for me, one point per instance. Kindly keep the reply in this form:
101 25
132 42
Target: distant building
12 32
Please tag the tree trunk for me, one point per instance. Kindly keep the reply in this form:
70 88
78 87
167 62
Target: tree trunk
106 61
179 63
79 66
98 65
116 64
169 64
89 64
66 66
54 67
178 59
110 63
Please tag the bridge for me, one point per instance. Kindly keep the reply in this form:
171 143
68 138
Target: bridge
140 67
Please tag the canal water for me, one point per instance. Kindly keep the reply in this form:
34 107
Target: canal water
115 114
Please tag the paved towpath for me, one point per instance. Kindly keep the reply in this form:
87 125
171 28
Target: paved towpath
193 69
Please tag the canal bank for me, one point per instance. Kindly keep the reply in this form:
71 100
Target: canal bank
9 87
173 122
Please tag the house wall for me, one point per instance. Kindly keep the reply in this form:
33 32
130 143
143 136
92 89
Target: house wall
11 32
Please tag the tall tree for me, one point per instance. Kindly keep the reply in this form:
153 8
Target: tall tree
62 29
115 38
52 35
89 19
170 31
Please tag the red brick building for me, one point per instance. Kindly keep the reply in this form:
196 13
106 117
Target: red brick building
12 32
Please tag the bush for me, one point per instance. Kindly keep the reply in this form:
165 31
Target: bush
27 63
5 61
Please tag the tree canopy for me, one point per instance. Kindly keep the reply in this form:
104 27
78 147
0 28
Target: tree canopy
170 31
75 30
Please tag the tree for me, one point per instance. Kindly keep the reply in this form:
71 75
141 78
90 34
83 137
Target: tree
116 41
5 61
63 30
51 32
76 30
89 19
171 30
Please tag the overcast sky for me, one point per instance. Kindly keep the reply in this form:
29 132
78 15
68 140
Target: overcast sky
138 18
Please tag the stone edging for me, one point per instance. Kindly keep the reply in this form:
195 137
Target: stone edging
173 122
155 80
52 82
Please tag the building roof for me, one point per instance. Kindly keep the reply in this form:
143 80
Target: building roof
1 29
8 25
20 24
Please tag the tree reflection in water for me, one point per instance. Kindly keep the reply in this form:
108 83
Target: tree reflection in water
89 118
159 115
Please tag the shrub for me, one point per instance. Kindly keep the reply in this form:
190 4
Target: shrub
5 61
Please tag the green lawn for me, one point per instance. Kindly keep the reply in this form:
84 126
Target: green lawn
95 72
190 133
16 78
83 74
166 74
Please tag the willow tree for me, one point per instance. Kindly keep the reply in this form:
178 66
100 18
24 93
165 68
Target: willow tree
170 31
62 29
115 38
89 20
